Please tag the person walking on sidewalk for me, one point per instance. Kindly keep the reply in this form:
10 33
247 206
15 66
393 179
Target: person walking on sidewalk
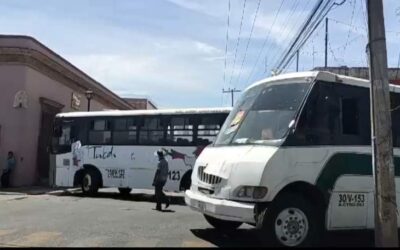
10 165
160 178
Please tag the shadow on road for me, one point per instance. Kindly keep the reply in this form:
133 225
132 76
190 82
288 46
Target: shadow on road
236 238
248 238
137 197
31 190
165 210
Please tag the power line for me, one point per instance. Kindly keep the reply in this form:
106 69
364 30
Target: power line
351 23
308 29
288 33
284 28
317 10
265 40
359 27
248 41
227 39
333 54
238 41
308 24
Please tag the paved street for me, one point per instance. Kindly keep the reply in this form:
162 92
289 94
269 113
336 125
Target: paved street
109 220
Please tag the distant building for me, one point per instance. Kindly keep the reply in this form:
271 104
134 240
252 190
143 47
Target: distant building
362 72
141 103
36 83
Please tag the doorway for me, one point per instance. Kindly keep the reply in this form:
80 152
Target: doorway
45 161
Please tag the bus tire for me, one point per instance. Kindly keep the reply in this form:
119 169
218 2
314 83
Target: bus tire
186 181
124 191
90 182
290 221
222 224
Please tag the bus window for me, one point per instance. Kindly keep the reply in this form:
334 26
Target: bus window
208 129
100 132
63 135
65 138
125 131
350 113
152 131
271 113
180 131
395 110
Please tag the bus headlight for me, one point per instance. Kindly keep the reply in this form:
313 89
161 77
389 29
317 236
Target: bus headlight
252 192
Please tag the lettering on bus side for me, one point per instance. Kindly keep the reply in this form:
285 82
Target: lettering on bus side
101 152
174 175
115 173
351 200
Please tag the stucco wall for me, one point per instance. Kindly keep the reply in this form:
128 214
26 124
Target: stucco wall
11 120
20 127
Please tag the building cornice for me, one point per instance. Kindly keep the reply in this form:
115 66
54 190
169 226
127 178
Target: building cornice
58 69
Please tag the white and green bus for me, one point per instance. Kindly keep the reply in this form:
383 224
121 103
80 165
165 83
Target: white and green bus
116 148
293 158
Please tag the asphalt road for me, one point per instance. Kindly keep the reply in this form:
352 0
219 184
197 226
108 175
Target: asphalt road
110 220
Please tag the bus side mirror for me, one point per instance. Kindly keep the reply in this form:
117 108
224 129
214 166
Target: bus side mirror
291 126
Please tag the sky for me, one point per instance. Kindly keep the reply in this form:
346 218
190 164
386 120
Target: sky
176 52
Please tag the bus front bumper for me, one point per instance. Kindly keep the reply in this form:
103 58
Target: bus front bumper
220 209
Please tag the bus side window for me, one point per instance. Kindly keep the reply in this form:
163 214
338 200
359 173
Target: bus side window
317 123
180 131
152 131
100 132
207 129
125 131
395 111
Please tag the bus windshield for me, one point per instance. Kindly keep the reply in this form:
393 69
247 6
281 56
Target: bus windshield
263 114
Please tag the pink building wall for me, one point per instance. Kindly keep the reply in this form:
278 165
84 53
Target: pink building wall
11 120
20 127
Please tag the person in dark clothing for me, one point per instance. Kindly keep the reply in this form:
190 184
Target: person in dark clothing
160 178
10 165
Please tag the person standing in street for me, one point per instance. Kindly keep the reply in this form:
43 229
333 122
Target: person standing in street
10 165
160 179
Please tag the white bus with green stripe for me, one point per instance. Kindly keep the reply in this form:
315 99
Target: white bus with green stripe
293 158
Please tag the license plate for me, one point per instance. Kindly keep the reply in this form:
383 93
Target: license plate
202 206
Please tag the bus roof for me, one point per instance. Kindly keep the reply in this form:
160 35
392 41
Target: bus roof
147 112
322 76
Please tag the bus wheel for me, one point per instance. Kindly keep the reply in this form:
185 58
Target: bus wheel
222 224
125 191
291 221
90 182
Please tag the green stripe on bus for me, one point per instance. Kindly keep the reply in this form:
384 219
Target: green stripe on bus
347 164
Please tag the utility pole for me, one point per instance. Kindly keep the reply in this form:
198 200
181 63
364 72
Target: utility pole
381 130
232 91
297 61
326 42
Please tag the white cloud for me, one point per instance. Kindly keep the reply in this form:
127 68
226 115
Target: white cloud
208 7
284 27
207 49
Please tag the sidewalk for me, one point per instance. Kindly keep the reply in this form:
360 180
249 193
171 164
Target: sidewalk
30 190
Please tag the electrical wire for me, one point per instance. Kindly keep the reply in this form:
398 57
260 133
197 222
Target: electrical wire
351 23
227 39
238 41
305 32
248 41
288 33
266 39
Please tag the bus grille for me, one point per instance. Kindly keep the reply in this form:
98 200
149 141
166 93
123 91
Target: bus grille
208 178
